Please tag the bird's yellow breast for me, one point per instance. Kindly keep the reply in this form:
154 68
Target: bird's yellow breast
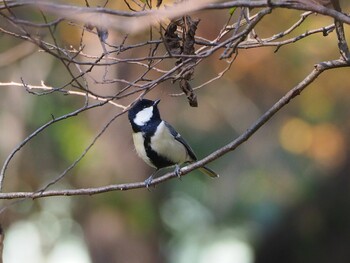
165 145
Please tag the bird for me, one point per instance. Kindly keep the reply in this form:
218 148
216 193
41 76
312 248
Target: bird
156 142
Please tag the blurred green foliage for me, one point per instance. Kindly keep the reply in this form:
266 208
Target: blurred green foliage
263 184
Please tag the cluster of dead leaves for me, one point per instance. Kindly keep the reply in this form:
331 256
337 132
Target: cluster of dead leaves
183 45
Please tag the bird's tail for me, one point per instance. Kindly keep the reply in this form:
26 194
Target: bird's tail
208 171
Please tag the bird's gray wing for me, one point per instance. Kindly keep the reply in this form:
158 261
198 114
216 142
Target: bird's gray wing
179 138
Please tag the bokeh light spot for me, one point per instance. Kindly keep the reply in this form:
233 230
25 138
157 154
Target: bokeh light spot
328 145
296 136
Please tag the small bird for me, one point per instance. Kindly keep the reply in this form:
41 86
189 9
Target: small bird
157 142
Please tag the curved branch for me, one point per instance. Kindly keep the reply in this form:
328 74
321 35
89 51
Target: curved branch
319 68
304 5
38 131
130 21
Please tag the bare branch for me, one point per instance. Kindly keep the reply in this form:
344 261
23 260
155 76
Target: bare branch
319 69
44 87
63 174
137 21
39 130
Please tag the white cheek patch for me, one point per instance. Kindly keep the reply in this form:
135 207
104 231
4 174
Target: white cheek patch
144 116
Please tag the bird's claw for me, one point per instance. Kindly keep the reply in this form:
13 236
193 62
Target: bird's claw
178 171
148 182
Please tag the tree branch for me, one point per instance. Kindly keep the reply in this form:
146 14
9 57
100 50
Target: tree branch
318 69
104 17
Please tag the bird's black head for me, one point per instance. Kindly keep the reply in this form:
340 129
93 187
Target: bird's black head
143 113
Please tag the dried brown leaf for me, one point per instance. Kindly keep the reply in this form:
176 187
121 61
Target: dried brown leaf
172 40
187 89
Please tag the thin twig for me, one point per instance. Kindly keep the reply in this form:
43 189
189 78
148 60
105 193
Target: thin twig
44 87
38 131
82 155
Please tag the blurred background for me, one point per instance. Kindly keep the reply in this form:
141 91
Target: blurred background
283 196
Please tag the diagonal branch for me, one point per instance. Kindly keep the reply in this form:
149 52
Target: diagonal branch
318 70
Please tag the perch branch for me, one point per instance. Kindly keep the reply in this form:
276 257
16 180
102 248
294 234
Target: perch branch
318 69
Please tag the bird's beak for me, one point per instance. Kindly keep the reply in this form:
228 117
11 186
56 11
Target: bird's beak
156 102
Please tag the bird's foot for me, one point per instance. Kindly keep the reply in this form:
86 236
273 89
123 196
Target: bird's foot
178 171
148 181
